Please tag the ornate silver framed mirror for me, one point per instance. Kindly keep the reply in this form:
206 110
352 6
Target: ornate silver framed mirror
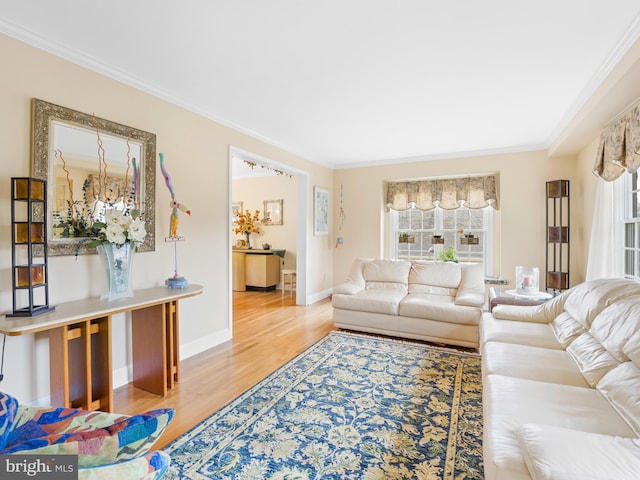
86 159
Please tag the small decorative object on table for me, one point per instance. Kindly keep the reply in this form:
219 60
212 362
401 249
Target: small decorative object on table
176 281
527 280
266 246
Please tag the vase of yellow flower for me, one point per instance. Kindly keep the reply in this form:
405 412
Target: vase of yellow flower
117 239
248 223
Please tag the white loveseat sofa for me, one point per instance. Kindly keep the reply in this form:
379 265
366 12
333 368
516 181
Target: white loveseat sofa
434 301
561 386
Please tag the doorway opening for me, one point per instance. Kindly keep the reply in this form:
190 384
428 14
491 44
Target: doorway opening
271 183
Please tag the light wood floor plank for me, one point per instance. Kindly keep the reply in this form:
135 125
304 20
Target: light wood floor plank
268 331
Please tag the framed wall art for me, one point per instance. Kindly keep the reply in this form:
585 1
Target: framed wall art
273 210
320 211
236 209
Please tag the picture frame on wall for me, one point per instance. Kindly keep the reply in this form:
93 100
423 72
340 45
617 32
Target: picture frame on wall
236 209
273 210
320 211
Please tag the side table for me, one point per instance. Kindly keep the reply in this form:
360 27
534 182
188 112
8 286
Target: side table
501 296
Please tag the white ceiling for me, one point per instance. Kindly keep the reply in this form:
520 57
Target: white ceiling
351 82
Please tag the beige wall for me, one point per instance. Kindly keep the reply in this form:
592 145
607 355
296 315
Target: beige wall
196 151
252 192
520 231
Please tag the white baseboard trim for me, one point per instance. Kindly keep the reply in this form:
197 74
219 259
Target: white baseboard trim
122 376
316 297
198 346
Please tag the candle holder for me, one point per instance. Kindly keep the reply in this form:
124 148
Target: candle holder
527 280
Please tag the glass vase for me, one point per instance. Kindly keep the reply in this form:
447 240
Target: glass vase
117 262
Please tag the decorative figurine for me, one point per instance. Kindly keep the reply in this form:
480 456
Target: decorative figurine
176 281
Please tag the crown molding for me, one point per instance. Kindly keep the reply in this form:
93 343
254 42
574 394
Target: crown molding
45 44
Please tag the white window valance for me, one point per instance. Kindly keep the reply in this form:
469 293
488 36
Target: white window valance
446 193
619 148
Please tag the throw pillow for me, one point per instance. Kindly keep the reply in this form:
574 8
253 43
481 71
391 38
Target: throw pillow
123 440
8 408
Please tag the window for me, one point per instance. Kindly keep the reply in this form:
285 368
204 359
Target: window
632 228
411 233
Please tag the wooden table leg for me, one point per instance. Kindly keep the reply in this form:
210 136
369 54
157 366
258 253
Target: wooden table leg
80 372
59 367
172 344
149 337
156 347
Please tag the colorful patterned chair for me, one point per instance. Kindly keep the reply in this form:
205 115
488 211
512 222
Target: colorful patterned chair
109 446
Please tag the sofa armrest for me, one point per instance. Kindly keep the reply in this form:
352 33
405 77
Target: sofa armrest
556 453
543 313
354 281
471 288
348 288
521 313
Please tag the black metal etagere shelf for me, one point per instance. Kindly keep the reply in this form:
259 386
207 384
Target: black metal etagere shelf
558 217
29 247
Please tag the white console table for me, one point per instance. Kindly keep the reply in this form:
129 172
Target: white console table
80 367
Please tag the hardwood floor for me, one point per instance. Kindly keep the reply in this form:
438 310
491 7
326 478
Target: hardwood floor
268 331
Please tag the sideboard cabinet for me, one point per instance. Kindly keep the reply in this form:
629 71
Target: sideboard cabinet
256 269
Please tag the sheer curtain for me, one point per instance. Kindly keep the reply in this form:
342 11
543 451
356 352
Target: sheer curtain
606 253
618 152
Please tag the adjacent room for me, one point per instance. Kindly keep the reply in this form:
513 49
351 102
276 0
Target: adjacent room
360 239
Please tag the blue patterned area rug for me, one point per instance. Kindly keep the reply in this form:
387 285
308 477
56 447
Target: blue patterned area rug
350 407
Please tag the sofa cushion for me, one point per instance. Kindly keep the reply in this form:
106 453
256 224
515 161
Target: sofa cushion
386 274
432 290
588 299
632 348
621 387
438 307
471 291
512 402
372 300
599 350
616 324
8 409
48 433
593 360
550 454
566 329
437 274
515 331
532 363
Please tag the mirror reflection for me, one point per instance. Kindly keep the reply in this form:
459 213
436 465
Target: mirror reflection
92 172
91 165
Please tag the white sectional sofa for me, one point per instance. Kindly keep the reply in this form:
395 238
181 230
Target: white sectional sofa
561 386
434 301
